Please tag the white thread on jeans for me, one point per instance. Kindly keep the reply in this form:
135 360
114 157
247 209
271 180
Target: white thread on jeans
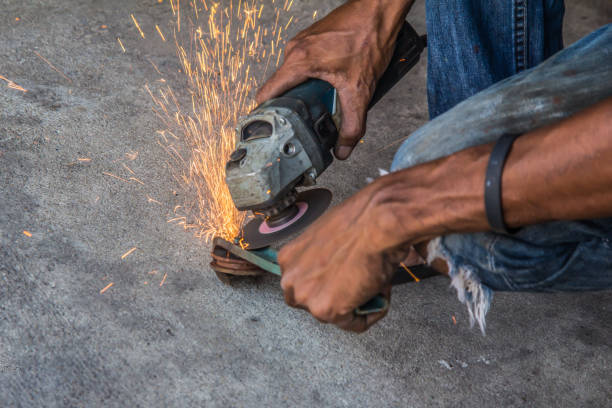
469 289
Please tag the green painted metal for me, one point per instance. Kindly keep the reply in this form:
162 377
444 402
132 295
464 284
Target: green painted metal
266 259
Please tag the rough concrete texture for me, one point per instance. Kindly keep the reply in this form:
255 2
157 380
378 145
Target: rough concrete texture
194 341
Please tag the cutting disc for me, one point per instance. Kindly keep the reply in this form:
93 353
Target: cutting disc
310 204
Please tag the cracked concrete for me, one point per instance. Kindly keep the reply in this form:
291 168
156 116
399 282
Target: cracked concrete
194 341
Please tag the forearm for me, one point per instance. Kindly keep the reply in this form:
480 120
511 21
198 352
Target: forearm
395 9
558 172
388 14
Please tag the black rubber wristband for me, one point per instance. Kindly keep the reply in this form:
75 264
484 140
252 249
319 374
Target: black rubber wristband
493 184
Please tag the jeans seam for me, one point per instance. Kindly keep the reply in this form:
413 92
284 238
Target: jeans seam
491 264
519 26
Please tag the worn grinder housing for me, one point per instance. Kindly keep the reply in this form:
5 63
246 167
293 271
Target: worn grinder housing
283 143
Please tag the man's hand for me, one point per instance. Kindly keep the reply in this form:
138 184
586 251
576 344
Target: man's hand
350 48
341 262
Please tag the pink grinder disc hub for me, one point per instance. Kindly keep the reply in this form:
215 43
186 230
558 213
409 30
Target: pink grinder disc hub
265 229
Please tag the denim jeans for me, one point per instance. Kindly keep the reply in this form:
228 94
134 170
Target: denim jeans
555 256
473 44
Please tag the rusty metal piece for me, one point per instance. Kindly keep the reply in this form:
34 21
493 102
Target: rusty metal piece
227 265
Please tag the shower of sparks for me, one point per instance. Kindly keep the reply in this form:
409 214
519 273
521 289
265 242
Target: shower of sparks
52 66
12 85
223 47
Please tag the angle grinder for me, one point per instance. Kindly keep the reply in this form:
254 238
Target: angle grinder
286 143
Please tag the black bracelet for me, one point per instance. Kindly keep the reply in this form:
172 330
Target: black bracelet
493 187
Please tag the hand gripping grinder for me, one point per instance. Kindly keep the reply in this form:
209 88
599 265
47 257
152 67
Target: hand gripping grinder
285 143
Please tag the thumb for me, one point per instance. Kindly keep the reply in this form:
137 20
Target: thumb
352 128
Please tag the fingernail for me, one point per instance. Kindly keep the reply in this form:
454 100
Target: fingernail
343 152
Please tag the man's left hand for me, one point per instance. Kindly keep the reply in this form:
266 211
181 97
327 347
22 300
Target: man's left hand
341 261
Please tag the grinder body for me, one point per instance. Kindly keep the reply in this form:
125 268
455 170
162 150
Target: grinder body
286 141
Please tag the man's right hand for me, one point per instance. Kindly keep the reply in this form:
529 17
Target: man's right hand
350 48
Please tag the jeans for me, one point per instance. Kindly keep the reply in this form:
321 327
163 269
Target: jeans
555 256
473 44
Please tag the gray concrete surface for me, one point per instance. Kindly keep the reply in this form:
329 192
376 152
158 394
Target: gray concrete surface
194 341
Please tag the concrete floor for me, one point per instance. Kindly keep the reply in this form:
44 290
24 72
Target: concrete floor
194 341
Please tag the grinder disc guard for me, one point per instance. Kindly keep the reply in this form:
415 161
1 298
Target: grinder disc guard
310 205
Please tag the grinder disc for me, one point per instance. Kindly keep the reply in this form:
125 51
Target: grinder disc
310 205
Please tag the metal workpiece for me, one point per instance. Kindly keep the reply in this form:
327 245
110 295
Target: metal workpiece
229 257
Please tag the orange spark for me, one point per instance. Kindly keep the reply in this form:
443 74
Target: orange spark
128 253
117 177
12 85
160 33
136 180
128 169
121 44
104 26
17 19
131 155
314 15
27 233
163 280
154 66
454 319
243 245
137 26
152 200
52 66
403 265
104 289
84 159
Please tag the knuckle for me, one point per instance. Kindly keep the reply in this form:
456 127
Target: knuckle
286 283
360 328
351 132
322 311
296 50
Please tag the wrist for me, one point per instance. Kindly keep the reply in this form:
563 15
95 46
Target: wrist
433 199
390 13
